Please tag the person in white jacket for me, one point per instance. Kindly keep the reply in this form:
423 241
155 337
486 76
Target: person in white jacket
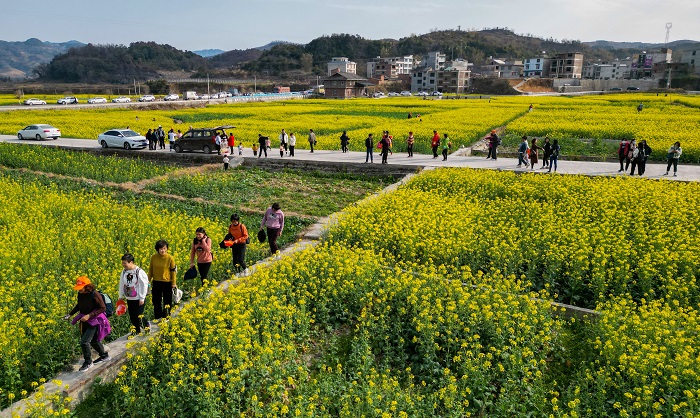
133 287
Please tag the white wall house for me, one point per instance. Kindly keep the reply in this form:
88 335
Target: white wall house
342 64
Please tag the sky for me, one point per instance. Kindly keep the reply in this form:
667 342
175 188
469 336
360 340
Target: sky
236 24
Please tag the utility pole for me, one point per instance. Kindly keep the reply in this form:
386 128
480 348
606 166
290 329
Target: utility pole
668 80
208 85
669 25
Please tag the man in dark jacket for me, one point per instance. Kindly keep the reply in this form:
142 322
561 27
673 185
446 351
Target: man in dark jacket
262 140
369 145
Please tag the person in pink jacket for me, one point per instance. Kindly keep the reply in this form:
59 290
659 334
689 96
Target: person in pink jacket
273 220
201 248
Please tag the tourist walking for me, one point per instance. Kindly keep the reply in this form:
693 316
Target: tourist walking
554 156
217 143
312 139
409 144
533 153
384 145
133 287
231 140
369 146
150 137
674 153
226 161
284 139
161 274
263 140
435 143
273 220
292 144
639 160
494 142
201 251
171 138
547 148
522 149
446 144
344 140
631 153
238 234
161 137
94 325
622 152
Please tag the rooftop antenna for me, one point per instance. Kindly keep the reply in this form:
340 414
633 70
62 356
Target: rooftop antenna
669 25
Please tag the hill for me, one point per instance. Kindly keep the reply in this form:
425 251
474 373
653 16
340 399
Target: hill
18 59
235 57
118 63
206 53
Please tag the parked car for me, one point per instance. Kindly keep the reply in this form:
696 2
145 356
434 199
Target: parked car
97 100
406 93
39 132
200 139
171 97
394 94
147 98
422 93
615 89
122 138
633 88
378 95
32 102
121 99
436 93
204 97
67 100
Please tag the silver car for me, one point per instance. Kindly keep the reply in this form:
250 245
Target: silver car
32 102
122 138
39 132
97 100
67 100
121 99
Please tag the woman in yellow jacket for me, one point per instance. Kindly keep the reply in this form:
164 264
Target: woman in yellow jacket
161 274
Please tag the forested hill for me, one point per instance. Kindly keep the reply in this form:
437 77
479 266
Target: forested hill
118 63
17 59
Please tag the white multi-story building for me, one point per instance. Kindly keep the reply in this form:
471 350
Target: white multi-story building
435 60
390 67
502 69
615 70
454 78
536 67
342 64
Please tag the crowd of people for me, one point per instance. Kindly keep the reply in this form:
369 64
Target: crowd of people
159 281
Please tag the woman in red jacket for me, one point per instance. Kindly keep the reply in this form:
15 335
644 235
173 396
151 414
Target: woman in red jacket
238 234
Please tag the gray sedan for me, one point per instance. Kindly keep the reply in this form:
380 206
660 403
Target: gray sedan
122 138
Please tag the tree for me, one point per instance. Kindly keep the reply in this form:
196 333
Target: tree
158 86
307 62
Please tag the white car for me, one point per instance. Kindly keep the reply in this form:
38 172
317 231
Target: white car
97 100
39 132
204 97
121 99
170 97
378 95
122 138
422 93
406 93
67 100
32 102
147 98
436 93
394 94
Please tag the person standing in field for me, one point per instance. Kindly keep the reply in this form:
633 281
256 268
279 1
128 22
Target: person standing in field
533 153
494 142
284 139
161 137
231 143
409 143
201 249
369 146
547 148
161 273
262 140
674 153
344 140
312 139
622 152
446 144
292 144
554 156
273 220
239 235
435 142
384 145
94 325
133 287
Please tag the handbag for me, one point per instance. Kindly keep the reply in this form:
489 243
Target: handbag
191 273
177 295
261 235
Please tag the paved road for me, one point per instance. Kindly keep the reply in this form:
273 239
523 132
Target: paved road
653 171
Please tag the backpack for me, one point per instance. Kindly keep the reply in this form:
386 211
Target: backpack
109 305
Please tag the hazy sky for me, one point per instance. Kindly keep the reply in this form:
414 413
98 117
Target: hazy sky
236 24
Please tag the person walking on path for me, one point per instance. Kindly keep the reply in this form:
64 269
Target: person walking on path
494 142
631 153
522 149
284 140
641 153
161 273
312 139
292 144
201 249
622 152
674 153
547 148
533 153
446 144
94 325
133 287
150 137
556 149
231 143
369 146
409 143
273 220
435 143
384 145
161 137
344 140
262 140
239 237
171 138
226 161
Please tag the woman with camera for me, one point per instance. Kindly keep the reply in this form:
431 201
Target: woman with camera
201 248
